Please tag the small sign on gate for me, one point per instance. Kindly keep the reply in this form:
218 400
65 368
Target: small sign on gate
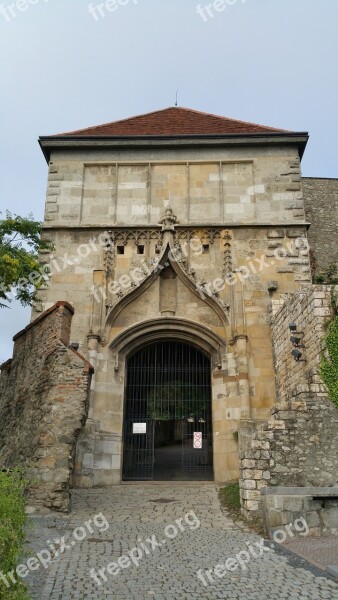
139 427
198 440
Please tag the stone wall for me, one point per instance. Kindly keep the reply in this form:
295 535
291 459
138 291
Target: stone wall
321 209
316 506
129 187
43 405
298 446
310 309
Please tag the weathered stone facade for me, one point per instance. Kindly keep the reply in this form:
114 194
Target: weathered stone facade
202 271
254 209
189 238
44 404
321 209
298 446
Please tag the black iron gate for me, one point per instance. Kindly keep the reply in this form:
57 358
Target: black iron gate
167 422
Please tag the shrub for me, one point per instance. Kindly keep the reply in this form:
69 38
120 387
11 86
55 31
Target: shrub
12 535
329 275
329 363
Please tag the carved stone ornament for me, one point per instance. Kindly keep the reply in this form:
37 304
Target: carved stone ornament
178 253
169 220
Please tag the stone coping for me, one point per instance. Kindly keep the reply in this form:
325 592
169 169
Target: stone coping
301 491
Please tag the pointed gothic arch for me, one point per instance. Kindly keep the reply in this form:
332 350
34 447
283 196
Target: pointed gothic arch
168 258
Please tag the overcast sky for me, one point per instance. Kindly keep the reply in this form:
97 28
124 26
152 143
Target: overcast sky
272 62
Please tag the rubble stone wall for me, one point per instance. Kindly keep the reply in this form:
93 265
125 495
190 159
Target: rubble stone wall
298 446
43 405
321 210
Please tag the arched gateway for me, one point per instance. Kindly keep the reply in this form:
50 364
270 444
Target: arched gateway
167 413
165 377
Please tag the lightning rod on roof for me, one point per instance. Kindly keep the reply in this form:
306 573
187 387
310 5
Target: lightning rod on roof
176 103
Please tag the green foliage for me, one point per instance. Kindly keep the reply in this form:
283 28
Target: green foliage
329 363
329 276
12 536
174 400
20 244
229 496
230 500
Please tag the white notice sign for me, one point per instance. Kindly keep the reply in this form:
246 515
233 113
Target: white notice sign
139 427
198 440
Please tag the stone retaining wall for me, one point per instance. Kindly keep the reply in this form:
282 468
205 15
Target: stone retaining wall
43 405
318 508
298 446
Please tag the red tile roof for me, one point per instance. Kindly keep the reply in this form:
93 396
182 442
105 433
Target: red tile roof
175 121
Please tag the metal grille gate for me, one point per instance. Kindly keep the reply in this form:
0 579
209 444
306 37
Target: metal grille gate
168 402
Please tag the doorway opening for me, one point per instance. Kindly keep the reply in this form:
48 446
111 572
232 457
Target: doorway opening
168 420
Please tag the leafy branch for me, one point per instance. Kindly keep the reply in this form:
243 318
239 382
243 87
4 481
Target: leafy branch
20 245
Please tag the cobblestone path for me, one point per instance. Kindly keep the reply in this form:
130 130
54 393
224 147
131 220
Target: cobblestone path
174 533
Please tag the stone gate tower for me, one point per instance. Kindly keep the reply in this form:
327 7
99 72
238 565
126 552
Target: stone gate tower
173 232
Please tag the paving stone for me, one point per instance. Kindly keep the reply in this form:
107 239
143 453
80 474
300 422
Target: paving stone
168 571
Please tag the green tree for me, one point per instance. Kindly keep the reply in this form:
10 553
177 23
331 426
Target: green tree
20 271
174 400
